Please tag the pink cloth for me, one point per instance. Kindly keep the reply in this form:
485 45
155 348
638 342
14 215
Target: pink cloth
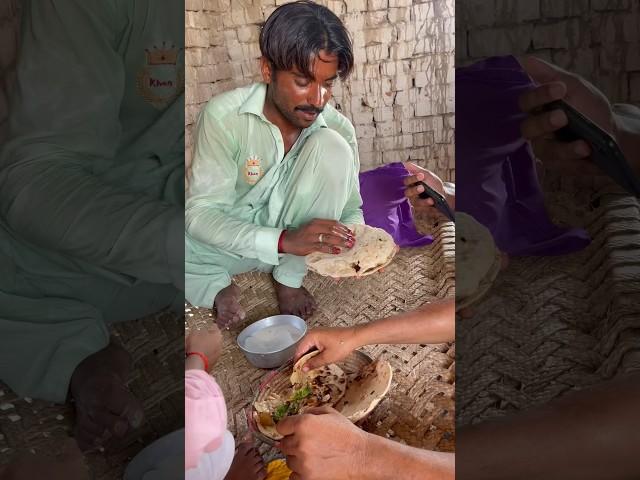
205 416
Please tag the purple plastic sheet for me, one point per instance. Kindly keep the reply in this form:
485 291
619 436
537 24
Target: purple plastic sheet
496 177
386 207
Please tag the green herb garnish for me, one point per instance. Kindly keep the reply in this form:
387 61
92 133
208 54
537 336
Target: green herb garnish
280 412
302 393
293 405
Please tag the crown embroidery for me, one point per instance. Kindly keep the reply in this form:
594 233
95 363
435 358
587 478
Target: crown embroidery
161 80
162 56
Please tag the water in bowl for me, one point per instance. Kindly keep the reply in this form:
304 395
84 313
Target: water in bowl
272 339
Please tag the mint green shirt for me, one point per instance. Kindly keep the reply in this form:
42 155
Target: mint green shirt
92 172
236 147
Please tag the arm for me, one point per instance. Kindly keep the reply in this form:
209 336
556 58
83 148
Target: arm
207 342
323 444
65 122
388 459
416 173
590 434
205 411
352 213
431 323
212 194
554 83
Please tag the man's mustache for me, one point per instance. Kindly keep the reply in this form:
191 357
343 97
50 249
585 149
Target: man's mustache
310 109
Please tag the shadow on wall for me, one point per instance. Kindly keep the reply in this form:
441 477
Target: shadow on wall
400 96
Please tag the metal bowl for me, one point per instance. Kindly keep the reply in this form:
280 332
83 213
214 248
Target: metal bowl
276 358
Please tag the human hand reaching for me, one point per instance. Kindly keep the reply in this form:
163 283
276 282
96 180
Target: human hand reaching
334 344
540 126
206 341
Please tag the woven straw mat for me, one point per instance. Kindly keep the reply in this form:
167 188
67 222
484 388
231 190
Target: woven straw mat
157 346
419 409
551 325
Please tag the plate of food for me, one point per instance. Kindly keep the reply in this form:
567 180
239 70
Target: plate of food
354 387
373 250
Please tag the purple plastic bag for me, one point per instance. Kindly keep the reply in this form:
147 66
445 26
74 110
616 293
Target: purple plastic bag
497 183
385 206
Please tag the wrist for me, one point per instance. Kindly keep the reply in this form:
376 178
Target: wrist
196 361
358 336
193 363
374 461
281 241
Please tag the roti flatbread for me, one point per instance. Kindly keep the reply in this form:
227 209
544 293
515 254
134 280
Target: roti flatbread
373 249
263 415
478 258
315 388
366 391
327 385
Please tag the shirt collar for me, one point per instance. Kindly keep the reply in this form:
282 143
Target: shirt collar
255 104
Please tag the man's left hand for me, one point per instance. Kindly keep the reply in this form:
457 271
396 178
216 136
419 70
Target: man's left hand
419 174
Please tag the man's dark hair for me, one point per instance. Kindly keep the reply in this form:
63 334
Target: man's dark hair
294 34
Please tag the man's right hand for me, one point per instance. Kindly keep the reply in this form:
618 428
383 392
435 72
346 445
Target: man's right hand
322 444
328 236
335 344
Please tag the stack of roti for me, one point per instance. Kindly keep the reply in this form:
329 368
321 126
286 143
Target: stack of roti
478 260
373 249
328 385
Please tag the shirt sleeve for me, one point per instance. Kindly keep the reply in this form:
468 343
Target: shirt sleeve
212 195
64 120
352 212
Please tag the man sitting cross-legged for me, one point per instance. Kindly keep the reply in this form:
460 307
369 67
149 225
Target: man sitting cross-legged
275 168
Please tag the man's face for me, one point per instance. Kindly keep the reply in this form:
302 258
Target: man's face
298 98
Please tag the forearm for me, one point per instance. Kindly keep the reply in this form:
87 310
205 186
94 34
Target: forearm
352 213
209 225
53 202
352 217
591 434
388 459
431 323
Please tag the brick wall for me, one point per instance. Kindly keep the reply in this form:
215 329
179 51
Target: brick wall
8 45
599 39
400 96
